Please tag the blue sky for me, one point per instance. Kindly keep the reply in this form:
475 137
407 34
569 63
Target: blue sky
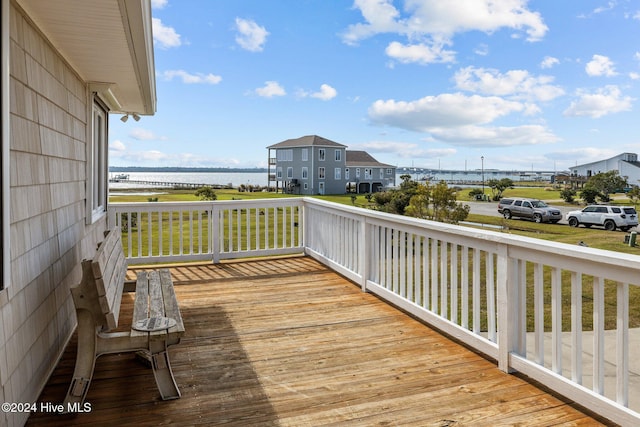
528 85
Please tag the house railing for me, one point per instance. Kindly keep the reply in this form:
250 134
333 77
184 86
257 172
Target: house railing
537 307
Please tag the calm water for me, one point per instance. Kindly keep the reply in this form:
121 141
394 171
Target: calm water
235 179
219 178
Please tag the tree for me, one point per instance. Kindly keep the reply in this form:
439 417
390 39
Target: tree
206 193
634 194
568 195
437 203
606 183
498 187
589 195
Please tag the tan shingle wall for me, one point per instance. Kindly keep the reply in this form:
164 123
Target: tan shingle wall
49 235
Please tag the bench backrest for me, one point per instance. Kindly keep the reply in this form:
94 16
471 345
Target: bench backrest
102 284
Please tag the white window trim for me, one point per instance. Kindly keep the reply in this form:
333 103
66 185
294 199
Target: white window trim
305 172
321 172
279 172
322 154
97 171
338 155
305 154
5 148
289 172
337 174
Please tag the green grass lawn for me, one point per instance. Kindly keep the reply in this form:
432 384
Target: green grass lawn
595 238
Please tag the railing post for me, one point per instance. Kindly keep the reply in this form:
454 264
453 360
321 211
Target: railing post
507 307
363 253
214 231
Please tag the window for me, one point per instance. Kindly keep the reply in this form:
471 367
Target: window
381 173
346 173
306 186
305 154
389 171
320 173
279 172
97 161
289 172
337 174
357 173
284 155
338 155
305 173
321 154
367 173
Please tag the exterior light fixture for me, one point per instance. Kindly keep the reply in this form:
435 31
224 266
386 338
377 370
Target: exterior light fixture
124 118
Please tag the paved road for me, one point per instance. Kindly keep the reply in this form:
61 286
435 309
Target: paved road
491 208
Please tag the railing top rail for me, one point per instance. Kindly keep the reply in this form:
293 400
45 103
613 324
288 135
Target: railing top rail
285 201
614 259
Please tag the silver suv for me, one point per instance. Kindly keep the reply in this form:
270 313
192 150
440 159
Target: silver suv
533 209
609 217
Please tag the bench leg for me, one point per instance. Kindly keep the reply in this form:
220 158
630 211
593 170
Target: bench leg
85 360
162 370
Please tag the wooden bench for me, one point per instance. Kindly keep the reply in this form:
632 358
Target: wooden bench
156 323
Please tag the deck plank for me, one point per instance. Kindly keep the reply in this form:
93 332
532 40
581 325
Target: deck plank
289 342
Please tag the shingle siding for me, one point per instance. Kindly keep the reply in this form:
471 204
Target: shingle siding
48 230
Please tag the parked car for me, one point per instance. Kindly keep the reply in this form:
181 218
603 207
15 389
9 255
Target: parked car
609 217
533 209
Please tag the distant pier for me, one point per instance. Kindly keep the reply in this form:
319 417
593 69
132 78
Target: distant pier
174 185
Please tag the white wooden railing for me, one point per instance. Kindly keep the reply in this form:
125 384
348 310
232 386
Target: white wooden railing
475 285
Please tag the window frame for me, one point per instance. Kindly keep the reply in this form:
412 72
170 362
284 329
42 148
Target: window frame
322 155
5 177
321 172
337 174
305 155
305 172
338 155
290 172
97 159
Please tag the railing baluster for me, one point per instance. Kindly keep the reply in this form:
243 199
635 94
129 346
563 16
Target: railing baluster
598 335
622 344
576 327
556 320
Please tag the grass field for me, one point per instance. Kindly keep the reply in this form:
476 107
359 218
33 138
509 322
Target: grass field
596 238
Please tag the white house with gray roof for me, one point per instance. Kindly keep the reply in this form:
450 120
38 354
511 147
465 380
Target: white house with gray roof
626 164
316 165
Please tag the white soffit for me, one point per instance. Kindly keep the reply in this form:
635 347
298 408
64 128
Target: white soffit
105 41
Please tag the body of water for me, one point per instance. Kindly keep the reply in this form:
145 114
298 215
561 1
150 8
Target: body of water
212 178
235 179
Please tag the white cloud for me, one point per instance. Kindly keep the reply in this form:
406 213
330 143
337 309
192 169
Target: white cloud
430 23
482 50
251 36
117 145
600 66
634 76
326 93
445 110
549 61
270 89
604 101
480 136
143 135
515 83
420 53
191 78
583 154
165 37
159 4
403 149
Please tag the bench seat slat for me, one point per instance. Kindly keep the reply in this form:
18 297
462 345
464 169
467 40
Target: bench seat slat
141 303
171 308
156 304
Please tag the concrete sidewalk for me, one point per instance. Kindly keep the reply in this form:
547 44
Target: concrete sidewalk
587 361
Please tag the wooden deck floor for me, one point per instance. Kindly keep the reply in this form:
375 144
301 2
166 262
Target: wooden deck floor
288 342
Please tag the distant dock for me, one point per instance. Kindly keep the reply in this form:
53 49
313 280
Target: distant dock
174 185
